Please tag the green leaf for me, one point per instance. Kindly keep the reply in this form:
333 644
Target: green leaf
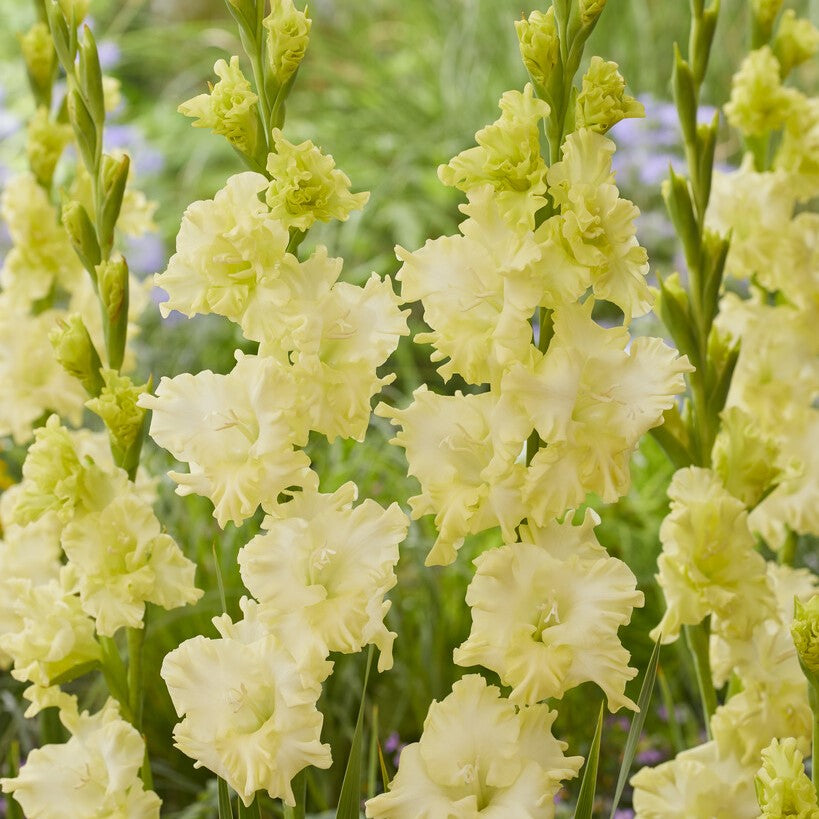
13 810
585 800
348 801
636 729
225 809
251 812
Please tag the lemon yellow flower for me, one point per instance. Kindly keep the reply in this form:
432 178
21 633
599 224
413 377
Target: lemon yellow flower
782 787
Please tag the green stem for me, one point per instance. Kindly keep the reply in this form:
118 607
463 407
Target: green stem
787 554
136 641
697 638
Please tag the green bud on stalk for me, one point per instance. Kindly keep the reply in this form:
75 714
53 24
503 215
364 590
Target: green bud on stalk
112 282
41 61
678 201
85 130
539 45
76 353
90 77
590 10
805 634
81 232
113 178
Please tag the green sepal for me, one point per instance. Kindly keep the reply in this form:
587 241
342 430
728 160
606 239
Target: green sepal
81 232
84 129
715 252
75 672
672 436
677 198
706 147
65 41
90 77
113 178
675 313
702 38
685 96
719 376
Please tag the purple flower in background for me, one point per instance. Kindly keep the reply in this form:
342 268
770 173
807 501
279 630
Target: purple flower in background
394 746
650 756
146 159
624 813
109 54
146 254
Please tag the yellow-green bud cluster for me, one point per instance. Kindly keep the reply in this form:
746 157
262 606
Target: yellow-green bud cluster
805 633
602 101
40 58
229 109
782 788
590 10
765 11
288 34
116 405
46 141
796 41
539 44
76 353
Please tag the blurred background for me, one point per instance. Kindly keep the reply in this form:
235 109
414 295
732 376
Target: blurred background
392 88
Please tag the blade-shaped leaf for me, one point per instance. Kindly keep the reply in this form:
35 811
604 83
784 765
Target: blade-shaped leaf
636 729
348 800
225 809
251 812
585 799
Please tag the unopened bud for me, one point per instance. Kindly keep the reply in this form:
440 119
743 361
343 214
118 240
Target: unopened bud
81 232
85 130
112 283
90 76
539 45
45 144
590 10
41 60
113 179
116 405
602 101
76 353
796 41
805 634
288 34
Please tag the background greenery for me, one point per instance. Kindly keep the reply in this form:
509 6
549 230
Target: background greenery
392 89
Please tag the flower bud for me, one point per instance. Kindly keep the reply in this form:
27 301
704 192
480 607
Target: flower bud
112 282
90 76
113 178
590 10
765 12
116 405
85 130
539 45
796 41
45 144
288 34
40 59
81 232
782 787
229 109
76 353
805 634
602 101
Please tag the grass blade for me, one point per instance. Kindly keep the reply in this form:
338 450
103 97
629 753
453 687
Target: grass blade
585 799
636 729
348 800
251 812
225 809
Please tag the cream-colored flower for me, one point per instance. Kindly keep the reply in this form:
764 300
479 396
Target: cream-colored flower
117 406
60 475
288 34
469 478
750 719
545 614
95 775
797 40
709 563
236 432
45 144
699 782
478 291
597 225
229 109
539 44
230 257
352 332
329 566
249 708
29 553
31 380
768 654
507 157
306 187
119 560
759 102
782 787
590 400
41 256
798 153
54 637
478 757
